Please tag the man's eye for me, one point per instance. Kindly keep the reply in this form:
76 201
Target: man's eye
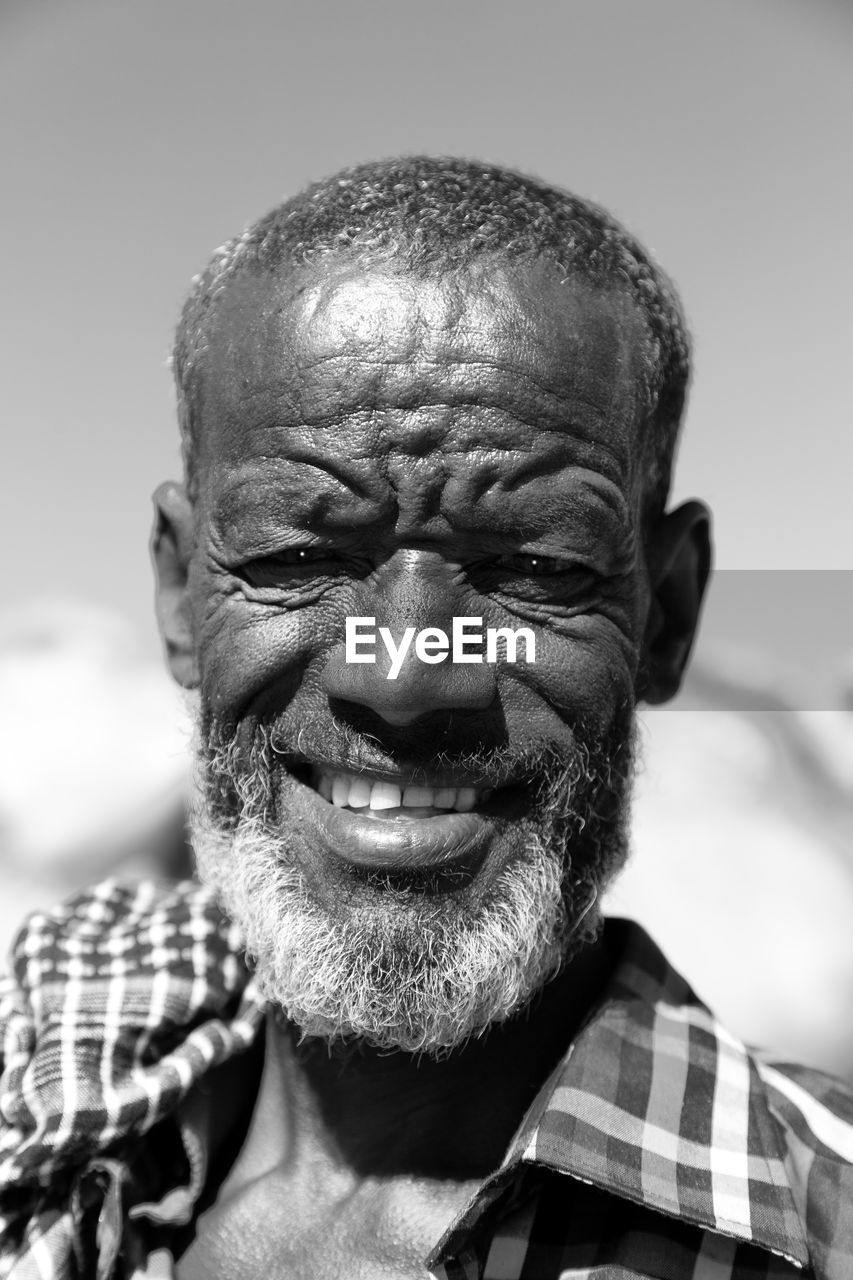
283 566
537 566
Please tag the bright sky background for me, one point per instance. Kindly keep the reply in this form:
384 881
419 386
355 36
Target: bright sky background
136 136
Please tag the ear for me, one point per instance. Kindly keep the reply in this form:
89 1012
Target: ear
172 545
678 556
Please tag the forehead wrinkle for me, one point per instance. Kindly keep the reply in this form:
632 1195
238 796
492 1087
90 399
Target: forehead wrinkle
353 304
458 425
412 384
509 343
393 462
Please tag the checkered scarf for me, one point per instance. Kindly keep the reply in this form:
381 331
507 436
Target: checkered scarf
659 1145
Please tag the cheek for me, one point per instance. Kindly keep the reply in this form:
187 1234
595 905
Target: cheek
584 673
252 653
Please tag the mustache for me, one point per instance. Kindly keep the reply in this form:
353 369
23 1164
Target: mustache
492 766
587 765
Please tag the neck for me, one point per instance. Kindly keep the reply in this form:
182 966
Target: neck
380 1113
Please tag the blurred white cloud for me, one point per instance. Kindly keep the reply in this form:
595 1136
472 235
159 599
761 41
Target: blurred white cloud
93 741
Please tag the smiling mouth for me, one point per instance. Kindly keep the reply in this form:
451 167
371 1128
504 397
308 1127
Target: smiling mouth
392 820
377 798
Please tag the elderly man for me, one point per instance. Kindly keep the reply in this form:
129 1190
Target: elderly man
419 573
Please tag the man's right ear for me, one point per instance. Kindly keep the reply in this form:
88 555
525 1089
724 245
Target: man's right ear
172 545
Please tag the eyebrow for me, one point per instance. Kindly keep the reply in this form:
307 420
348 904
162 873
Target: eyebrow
274 492
257 512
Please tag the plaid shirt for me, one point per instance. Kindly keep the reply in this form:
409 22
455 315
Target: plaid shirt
658 1148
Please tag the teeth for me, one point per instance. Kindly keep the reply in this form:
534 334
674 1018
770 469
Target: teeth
466 799
359 793
340 792
415 796
353 791
384 795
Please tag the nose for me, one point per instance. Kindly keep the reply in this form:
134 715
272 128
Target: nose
413 591
419 689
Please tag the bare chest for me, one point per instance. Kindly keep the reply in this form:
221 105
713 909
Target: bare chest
276 1229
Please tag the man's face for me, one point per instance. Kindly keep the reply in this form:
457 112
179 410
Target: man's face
415 451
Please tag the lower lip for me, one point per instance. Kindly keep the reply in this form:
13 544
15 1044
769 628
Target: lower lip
446 841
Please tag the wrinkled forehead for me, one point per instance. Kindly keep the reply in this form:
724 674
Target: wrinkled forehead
340 342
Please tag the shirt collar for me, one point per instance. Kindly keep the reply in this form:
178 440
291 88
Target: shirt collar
655 1101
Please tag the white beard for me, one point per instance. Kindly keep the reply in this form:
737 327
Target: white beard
351 977
400 972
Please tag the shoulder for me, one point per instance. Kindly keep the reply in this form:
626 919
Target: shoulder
121 929
115 1004
121 958
814 1114
758 1148
816 1107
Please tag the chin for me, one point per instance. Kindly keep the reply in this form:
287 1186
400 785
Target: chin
390 967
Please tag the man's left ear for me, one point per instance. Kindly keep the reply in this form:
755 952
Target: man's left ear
678 555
